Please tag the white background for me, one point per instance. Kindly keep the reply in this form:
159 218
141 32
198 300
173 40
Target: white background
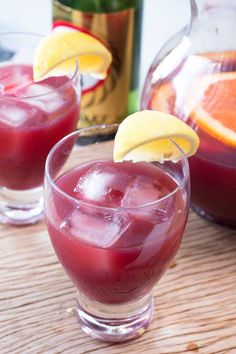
162 18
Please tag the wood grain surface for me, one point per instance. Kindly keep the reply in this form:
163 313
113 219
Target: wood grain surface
195 301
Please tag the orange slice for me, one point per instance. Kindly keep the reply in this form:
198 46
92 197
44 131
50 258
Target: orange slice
226 58
216 113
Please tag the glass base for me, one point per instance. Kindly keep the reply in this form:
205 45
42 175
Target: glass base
114 323
21 207
212 218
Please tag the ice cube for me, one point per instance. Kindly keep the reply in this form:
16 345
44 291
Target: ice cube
43 96
93 185
14 77
136 232
100 229
140 192
35 90
12 115
103 184
16 114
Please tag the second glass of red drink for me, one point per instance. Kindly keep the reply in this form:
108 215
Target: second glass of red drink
115 227
33 117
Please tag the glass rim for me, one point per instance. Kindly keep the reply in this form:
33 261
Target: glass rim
71 78
52 182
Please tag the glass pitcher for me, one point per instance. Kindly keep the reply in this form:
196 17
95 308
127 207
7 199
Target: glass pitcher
196 81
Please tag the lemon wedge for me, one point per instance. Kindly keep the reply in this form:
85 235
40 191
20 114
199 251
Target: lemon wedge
149 136
57 52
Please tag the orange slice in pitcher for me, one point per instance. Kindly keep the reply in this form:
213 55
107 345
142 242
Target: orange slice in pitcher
226 58
216 114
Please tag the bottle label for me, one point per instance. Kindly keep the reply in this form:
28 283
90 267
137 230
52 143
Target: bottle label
104 101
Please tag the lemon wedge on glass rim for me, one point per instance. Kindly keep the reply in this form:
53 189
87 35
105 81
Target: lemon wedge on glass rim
57 52
149 136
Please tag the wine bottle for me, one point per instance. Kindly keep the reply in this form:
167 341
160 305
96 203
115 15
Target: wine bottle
117 23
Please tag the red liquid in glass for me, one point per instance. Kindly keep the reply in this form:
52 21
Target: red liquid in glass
116 255
213 168
29 127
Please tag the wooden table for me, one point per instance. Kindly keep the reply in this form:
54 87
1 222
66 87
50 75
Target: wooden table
195 301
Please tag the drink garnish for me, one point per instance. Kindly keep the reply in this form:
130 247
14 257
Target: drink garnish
57 52
216 112
148 135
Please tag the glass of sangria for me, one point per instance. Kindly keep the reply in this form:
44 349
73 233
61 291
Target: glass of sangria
194 78
115 228
33 117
